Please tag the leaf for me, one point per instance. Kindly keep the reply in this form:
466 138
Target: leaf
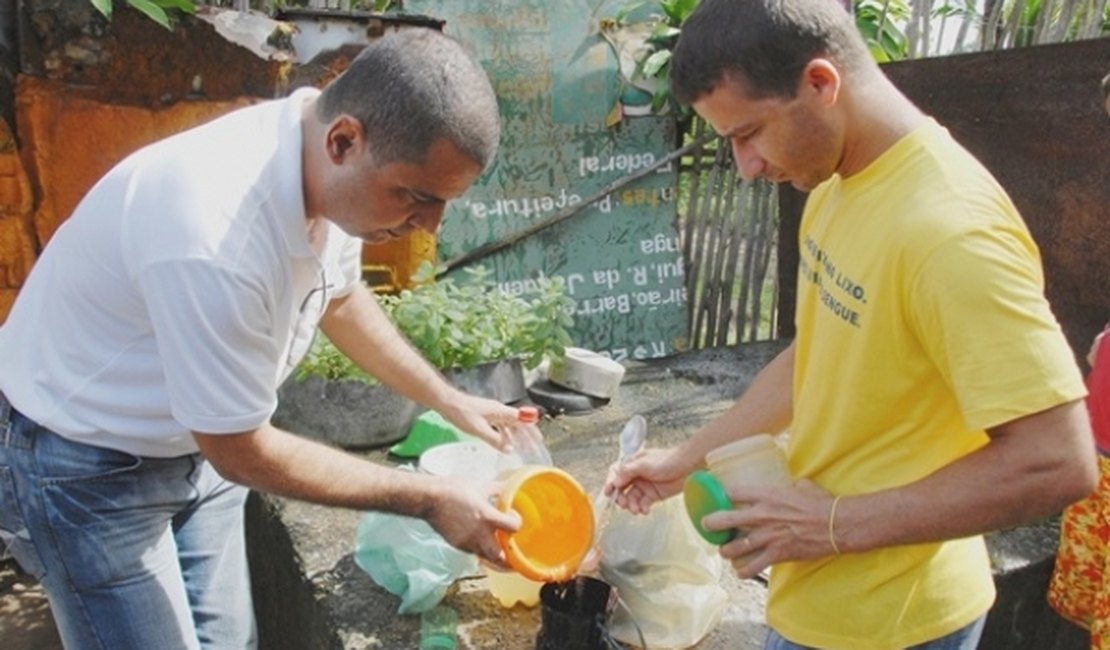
104 7
152 11
683 9
654 63
673 10
184 6
664 32
623 14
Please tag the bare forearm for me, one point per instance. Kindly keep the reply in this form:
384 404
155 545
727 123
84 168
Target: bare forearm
765 407
1030 470
277 462
359 328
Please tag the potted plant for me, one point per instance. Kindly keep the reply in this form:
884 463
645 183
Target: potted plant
478 335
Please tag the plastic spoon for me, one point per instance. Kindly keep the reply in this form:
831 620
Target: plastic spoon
632 440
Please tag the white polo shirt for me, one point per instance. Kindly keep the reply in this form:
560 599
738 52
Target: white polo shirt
181 292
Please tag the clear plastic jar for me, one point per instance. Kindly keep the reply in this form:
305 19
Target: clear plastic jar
755 460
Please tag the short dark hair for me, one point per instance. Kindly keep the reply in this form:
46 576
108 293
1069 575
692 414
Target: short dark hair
765 44
411 88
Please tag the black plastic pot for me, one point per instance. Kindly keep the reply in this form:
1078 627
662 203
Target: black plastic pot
574 615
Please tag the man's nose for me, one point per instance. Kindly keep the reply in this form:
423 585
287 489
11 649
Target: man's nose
748 163
429 218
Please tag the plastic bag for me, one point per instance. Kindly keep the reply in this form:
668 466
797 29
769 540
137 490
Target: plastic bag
408 558
667 577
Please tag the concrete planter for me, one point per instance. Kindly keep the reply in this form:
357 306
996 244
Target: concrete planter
500 380
355 415
349 413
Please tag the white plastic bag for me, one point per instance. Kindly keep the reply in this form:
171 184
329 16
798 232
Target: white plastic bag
667 577
408 558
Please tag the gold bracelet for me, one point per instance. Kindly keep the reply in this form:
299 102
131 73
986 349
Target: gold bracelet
832 524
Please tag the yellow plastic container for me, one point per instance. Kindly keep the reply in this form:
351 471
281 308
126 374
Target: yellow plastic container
388 267
510 588
557 527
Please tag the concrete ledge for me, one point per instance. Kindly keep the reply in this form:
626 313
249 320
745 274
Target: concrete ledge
1021 618
288 611
302 605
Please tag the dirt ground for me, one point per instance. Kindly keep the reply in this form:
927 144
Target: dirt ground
25 622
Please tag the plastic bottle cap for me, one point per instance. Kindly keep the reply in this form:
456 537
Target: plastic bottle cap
703 494
528 414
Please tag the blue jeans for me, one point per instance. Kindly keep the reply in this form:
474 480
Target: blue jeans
965 638
133 552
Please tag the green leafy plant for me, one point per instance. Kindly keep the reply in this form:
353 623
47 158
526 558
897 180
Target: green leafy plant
878 22
160 11
461 325
324 360
656 62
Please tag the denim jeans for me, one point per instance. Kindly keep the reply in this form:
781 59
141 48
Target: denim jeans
965 638
133 552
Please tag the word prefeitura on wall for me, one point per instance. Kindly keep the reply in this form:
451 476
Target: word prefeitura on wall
556 81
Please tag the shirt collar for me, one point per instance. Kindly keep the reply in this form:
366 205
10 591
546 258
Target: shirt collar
288 189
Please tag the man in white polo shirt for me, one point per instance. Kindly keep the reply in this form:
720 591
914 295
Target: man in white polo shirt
142 357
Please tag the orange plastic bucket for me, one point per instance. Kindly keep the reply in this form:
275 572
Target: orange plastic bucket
557 523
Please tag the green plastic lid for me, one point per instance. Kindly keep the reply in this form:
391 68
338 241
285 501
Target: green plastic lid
429 430
703 495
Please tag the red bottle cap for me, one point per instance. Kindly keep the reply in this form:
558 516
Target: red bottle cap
528 414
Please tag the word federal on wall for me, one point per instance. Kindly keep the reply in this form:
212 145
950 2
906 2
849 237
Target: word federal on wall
557 80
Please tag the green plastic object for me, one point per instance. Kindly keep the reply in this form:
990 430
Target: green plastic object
429 430
703 495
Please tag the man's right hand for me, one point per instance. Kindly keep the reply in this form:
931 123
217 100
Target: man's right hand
648 477
464 514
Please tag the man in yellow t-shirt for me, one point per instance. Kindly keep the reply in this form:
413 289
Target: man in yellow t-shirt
930 394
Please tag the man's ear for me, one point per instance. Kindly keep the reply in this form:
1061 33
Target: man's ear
821 78
344 138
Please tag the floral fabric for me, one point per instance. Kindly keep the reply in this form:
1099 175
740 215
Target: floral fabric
1080 589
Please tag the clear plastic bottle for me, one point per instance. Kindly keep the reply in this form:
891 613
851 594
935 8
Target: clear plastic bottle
527 439
437 628
755 460
509 587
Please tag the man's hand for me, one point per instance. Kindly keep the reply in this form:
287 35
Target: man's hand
463 513
487 419
650 476
275 461
775 525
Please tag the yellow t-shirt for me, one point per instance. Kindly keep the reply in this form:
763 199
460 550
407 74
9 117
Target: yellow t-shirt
921 322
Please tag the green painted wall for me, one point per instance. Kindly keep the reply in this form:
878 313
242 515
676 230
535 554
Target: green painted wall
556 80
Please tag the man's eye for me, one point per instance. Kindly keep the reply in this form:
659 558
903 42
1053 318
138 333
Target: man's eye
746 136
